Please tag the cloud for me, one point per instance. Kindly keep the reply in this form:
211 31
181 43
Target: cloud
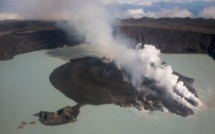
10 16
175 12
208 12
139 3
55 10
146 2
169 13
40 9
135 13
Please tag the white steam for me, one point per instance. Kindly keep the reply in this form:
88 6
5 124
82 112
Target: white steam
163 75
140 66
96 24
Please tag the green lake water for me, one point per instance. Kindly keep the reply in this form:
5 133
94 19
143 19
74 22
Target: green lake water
25 89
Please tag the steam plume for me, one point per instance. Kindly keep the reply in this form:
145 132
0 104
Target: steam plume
96 24
93 21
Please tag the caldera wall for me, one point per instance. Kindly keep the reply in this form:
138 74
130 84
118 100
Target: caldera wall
169 40
173 36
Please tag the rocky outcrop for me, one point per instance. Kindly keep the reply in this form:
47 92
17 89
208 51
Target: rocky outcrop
62 116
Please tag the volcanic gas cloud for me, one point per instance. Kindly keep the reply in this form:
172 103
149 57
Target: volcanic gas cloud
150 84
95 23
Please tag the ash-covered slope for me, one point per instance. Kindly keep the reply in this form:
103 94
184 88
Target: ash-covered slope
90 80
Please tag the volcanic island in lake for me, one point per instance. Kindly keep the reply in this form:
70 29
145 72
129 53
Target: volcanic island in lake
92 81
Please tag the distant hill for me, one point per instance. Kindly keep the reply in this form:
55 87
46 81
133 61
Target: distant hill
198 25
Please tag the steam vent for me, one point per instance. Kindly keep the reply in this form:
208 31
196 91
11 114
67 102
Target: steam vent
91 81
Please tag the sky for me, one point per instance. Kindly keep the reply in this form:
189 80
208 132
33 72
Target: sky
13 9
164 8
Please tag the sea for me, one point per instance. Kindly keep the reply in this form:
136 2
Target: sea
25 90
